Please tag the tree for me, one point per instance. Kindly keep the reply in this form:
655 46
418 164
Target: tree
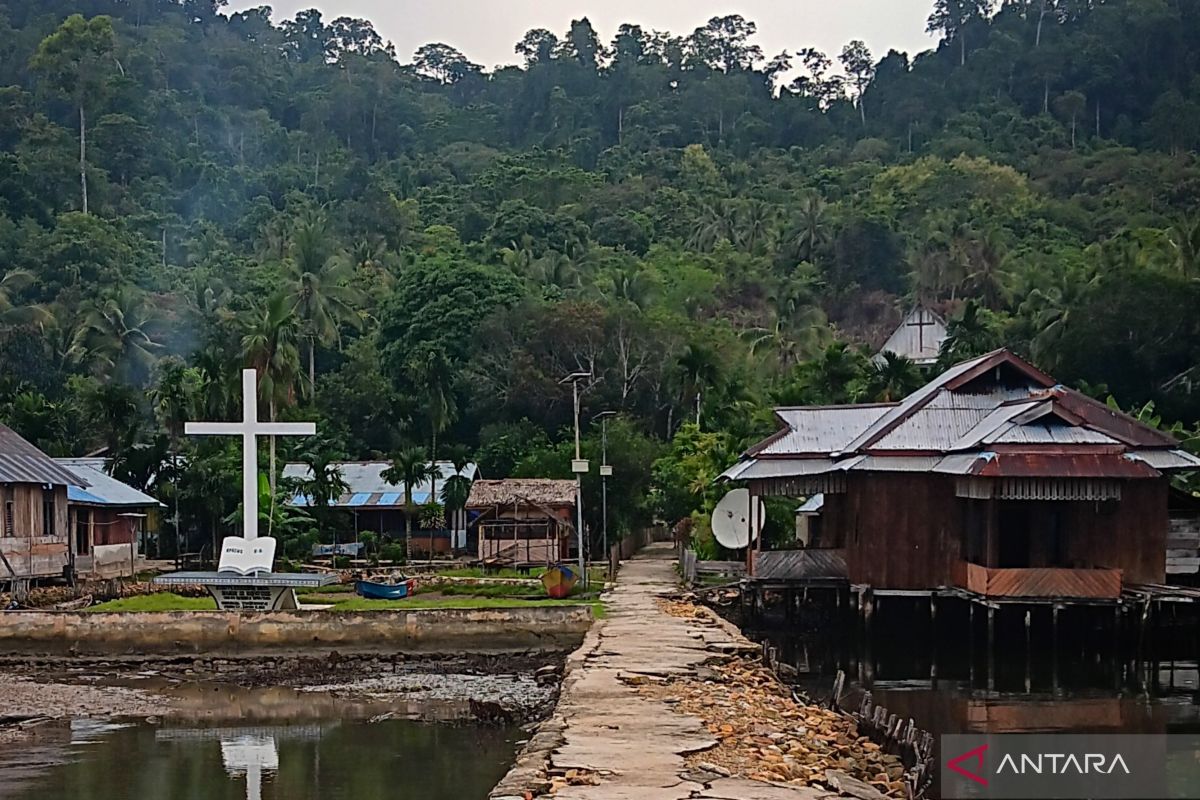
443 63
74 62
856 61
724 44
117 337
1069 106
537 47
949 17
269 338
701 369
892 377
14 313
319 285
409 469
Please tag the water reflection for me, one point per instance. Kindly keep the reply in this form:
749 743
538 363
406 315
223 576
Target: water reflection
398 759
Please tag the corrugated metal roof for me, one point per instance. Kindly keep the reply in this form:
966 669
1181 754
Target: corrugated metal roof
21 462
895 463
918 338
812 505
821 429
752 469
1167 459
1054 465
933 429
995 419
364 480
102 488
1042 433
961 463
927 393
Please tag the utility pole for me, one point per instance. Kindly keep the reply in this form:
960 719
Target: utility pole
580 467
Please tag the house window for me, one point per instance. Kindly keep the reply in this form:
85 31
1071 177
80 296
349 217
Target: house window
48 514
10 529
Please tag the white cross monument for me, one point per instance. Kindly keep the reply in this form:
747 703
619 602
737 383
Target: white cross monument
243 580
250 428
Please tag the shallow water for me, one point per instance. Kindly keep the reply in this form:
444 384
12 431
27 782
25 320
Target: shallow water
394 759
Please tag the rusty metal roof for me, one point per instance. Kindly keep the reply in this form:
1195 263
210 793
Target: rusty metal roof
1062 465
21 462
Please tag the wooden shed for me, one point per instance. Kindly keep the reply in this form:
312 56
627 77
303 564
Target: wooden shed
992 478
523 521
34 526
109 521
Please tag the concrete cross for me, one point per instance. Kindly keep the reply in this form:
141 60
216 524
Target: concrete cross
250 429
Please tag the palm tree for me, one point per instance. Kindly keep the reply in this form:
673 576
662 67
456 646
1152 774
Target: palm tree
701 369
319 288
117 334
12 311
409 469
891 378
269 348
175 400
1184 238
811 230
431 372
459 455
755 225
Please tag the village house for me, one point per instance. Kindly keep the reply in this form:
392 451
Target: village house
523 521
34 526
109 521
379 506
992 480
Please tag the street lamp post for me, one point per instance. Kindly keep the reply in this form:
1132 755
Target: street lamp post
579 466
605 473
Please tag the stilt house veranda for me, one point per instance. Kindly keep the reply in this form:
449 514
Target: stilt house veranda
992 478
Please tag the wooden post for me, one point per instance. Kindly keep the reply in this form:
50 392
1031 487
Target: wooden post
991 648
971 642
1054 648
1028 650
933 638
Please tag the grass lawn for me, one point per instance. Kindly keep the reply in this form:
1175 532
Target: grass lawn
166 601
159 601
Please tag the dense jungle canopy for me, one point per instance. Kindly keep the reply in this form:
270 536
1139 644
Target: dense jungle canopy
414 250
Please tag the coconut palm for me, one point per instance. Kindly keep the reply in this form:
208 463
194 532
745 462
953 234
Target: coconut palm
117 336
811 229
12 311
269 348
409 469
892 377
431 372
318 284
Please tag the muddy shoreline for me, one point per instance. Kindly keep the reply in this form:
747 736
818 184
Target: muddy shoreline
501 689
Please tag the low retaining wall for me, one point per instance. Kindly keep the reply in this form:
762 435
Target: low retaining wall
441 630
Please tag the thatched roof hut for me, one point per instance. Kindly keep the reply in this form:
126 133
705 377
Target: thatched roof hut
544 492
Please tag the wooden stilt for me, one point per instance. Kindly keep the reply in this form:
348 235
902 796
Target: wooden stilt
1054 649
1028 650
991 649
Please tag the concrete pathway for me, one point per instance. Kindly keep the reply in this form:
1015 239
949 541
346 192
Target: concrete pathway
636 746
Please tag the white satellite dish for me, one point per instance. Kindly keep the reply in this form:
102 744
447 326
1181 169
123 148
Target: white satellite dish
731 520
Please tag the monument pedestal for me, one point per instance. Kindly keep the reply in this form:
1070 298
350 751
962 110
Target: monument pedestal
264 591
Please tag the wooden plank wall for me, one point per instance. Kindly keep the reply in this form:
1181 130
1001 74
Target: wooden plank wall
901 530
1130 535
28 550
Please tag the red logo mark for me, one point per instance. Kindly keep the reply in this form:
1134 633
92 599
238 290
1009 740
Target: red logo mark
977 755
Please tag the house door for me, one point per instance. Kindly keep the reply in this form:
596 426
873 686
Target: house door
83 520
1015 522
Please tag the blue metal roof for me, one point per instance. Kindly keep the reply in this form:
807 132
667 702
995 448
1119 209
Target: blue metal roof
390 499
77 495
359 499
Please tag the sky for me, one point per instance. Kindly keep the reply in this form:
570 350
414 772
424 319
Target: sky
486 30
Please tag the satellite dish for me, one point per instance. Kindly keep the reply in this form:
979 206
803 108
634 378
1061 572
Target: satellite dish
731 520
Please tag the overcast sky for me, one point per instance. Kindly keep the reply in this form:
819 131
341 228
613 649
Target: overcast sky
486 30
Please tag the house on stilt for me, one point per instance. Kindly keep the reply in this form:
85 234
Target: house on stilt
992 481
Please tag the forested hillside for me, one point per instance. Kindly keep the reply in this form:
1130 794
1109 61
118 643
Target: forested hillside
414 250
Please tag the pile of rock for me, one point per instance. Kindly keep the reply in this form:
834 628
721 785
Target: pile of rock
766 735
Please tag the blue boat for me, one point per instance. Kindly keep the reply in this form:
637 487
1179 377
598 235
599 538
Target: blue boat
384 591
